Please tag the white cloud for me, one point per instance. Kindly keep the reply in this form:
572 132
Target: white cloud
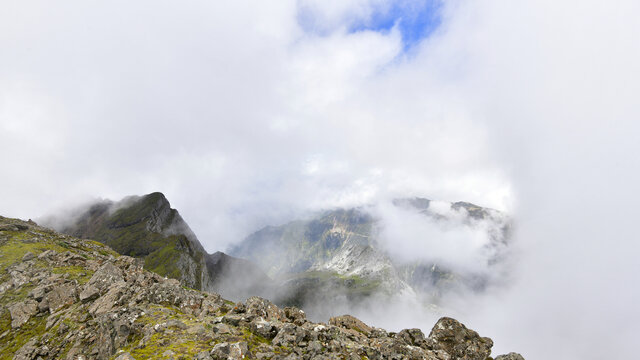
220 106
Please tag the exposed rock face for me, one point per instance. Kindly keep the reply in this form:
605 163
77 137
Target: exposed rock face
100 305
338 254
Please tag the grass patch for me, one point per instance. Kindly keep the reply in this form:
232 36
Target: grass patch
78 273
16 338
15 295
12 251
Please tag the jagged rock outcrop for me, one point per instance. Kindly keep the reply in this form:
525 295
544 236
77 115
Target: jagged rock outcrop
78 299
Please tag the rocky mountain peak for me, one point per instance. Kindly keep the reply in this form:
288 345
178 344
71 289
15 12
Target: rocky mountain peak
147 227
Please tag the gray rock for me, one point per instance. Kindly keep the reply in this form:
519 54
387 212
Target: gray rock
5 286
459 342
18 278
107 301
197 330
28 256
204 355
295 315
289 335
170 292
210 305
89 292
22 312
28 351
107 275
263 328
13 227
47 254
233 319
125 356
238 350
315 346
60 296
221 351
510 356
176 324
39 292
259 308
350 322
221 329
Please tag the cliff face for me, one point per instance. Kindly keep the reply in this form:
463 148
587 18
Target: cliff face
146 227
66 298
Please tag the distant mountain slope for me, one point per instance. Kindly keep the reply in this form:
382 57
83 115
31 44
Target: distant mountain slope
147 227
341 250
299 245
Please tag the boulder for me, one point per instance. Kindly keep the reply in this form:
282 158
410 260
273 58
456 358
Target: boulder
40 291
295 315
21 312
107 301
414 337
289 335
263 328
90 292
350 322
510 356
459 342
104 277
239 350
61 296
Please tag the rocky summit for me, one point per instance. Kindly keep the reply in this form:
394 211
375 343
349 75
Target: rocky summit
67 298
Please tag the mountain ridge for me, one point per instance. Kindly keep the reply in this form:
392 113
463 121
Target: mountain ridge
67 298
147 227
335 257
324 250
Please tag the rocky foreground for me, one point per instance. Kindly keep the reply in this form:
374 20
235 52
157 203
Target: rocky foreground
66 298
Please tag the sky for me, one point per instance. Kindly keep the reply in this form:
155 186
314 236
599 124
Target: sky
249 112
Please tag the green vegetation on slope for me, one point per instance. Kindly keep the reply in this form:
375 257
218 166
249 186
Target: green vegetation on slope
140 227
14 244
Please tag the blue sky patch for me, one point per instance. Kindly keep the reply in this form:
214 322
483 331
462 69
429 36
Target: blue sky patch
416 20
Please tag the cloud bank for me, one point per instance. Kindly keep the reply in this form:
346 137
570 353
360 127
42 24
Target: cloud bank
242 116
